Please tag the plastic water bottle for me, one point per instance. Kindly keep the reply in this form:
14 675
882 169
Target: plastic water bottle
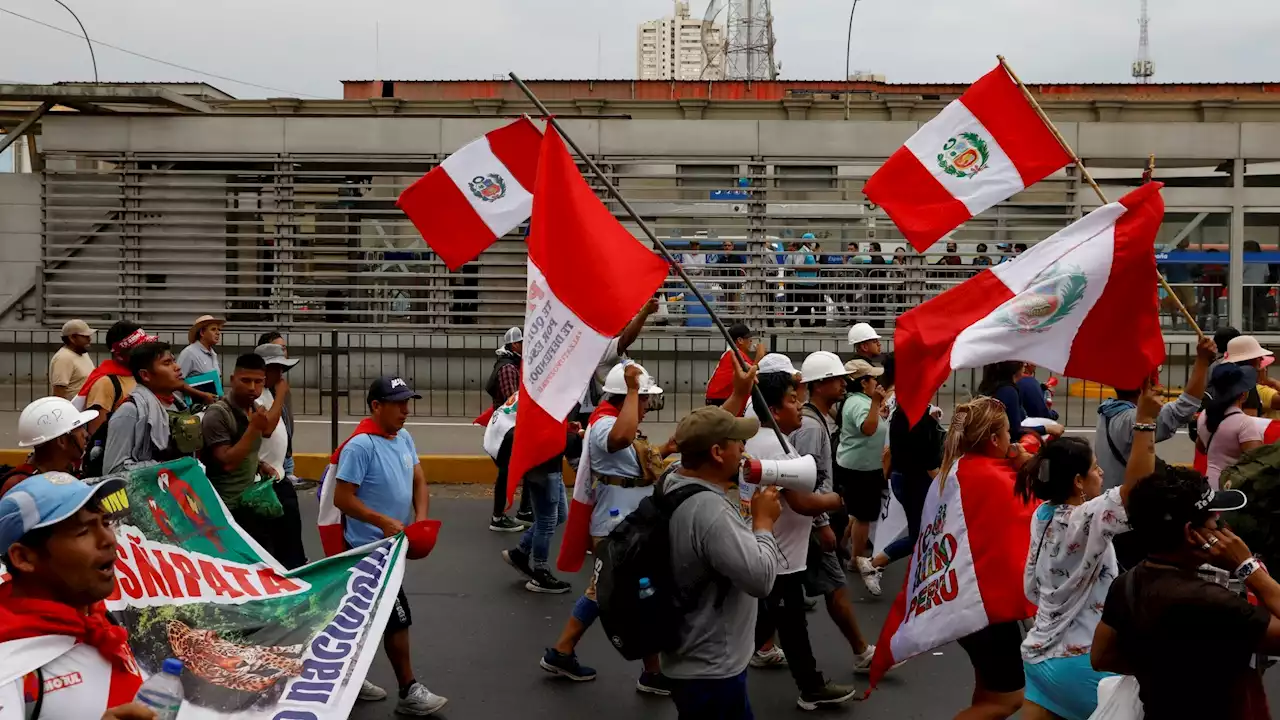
615 518
162 692
646 589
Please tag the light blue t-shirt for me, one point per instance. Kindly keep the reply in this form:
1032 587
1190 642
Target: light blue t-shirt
622 464
382 470
858 451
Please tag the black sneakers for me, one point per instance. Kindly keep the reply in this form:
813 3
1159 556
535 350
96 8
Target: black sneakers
502 523
654 684
518 560
525 517
566 666
542 581
829 694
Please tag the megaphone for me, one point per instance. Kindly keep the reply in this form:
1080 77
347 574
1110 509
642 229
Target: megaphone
799 474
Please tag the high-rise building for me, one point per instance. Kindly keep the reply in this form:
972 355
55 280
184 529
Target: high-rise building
679 47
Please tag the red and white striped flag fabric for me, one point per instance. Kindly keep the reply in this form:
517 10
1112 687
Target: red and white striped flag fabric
478 194
587 277
1082 303
983 148
966 566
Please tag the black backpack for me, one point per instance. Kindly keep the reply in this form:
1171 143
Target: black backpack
97 444
640 547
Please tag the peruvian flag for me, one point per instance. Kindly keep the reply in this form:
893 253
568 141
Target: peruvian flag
1082 304
983 148
967 564
587 277
477 195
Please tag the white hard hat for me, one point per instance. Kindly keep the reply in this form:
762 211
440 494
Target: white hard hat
822 365
861 333
49 418
616 382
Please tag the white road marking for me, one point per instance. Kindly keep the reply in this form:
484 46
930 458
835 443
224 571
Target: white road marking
408 424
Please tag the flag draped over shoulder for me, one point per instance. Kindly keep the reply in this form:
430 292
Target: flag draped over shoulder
329 519
478 194
967 565
1061 305
982 149
588 276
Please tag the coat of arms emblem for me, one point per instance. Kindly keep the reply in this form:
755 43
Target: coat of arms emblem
1052 297
964 155
489 188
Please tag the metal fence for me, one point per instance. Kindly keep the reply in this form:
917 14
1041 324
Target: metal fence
450 371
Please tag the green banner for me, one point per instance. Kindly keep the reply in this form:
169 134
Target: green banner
256 641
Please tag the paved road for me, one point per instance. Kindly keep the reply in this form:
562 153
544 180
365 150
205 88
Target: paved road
478 635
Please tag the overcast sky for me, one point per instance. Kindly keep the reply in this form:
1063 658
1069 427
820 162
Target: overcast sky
306 47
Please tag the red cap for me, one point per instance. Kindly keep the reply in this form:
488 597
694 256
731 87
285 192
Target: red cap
422 538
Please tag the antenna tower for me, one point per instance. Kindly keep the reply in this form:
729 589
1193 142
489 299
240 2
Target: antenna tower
749 40
1143 67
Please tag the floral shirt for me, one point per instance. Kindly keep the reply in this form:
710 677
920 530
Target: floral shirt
1070 566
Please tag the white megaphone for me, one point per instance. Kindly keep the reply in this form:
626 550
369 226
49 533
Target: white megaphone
799 474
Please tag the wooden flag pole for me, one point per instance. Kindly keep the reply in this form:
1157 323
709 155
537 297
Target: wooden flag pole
1084 173
767 418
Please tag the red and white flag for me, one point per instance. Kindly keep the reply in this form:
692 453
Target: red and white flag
477 195
587 278
1082 303
967 564
982 149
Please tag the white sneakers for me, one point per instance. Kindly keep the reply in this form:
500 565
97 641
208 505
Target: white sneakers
773 657
870 576
862 663
419 701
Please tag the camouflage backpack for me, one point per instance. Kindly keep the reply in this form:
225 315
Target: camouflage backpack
1257 474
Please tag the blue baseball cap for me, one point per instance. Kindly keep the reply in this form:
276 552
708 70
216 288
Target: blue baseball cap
390 389
44 500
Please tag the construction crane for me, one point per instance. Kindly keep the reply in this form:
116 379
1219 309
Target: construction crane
1143 68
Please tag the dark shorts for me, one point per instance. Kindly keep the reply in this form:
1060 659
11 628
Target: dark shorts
823 574
400 618
861 490
996 655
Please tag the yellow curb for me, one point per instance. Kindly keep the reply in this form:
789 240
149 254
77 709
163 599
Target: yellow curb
1092 390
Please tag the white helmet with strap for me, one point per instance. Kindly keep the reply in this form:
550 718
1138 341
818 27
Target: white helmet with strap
49 418
615 383
821 365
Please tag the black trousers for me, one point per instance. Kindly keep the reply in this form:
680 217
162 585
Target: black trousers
500 485
281 537
783 611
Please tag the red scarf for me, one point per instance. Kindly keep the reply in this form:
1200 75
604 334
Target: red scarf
22 618
367 426
602 410
107 367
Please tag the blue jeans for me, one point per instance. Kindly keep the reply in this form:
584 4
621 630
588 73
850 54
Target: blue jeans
550 508
912 501
723 699
288 466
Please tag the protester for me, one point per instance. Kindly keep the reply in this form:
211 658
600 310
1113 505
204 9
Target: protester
720 565
199 356
999 382
71 365
784 609
60 552
153 423
825 376
55 431
801 262
982 259
1245 350
859 462
1160 609
272 337
1224 431
952 257
1071 568
105 397
544 485
613 354
274 452
619 470
381 489
1031 394
866 344
720 387
503 382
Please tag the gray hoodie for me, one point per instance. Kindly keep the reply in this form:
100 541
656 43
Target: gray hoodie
726 567
1115 432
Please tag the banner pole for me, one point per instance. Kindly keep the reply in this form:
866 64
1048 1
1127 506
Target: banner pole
1084 173
767 419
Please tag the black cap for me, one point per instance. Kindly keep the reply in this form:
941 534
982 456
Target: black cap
740 331
1174 496
391 389
1224 336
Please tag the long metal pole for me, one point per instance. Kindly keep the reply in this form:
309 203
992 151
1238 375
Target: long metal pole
767 418
1084 173
87 41
848 52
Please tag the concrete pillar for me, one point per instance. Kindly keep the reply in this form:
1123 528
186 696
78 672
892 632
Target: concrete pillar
899 109
798 107
1109 110
385 106
589 106
693 108
1235 272
1214 110
284 106
487 106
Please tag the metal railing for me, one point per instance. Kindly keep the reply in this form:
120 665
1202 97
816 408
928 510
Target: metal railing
450 370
